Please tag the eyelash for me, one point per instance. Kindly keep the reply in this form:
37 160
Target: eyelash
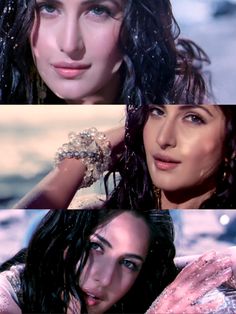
131 266
106 12
96 10
198 119
96 246
44 6
158 112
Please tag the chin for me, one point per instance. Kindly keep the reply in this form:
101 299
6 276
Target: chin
69 97
166 186
69 90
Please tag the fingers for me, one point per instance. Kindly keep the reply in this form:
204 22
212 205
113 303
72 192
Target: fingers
232 253
205 308
203 275
202 269
195 280
116 139
74 306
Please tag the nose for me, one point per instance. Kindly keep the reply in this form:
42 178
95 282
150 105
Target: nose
71 39
166 134
105 274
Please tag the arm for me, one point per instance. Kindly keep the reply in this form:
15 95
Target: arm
197 279
57 189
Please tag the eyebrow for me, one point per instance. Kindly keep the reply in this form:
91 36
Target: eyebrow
135 256
116 2
50 2
108 244
184 107
103 240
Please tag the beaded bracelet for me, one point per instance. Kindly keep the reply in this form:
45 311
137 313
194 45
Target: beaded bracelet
93 148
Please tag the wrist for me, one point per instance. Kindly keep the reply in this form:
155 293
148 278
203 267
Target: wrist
92 148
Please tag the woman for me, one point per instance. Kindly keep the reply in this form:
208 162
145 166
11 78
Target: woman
175 156
185 157
66 257
63 270
102 52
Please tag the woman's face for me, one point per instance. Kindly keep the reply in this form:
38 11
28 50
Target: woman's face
75 48
184 145
117 252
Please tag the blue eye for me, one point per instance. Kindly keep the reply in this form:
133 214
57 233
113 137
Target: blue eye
46 8
130 265
96 246
100 10
156 111
194 119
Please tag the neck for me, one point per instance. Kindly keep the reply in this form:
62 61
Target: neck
172 200
106 95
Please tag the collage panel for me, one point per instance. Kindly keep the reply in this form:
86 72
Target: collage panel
117 261
38 141
84 190
116 51
156 156
165 156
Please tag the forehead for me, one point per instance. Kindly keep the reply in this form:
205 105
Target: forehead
127 231
84 2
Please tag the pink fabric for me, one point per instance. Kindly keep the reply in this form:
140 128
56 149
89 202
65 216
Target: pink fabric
8 297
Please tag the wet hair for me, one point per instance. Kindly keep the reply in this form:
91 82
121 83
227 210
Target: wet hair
51 272
135 188
224 196
158 66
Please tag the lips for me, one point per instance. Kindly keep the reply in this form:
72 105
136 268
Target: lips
164 162
92 297
70 70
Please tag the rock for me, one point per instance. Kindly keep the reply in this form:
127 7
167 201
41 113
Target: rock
224 8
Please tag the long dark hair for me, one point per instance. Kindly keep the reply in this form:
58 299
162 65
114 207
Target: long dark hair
50 276
158 67
135 188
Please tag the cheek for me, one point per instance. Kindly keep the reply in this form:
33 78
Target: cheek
104 44
42 40
204 155
86 274
34 36
125 285
37 44
38 38
213 156
147 136
34 30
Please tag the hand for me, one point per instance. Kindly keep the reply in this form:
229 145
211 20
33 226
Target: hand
232 253
193 282
116 138
74 306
